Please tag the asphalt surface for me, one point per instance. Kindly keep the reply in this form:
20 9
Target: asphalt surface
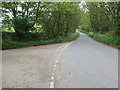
0 69
83 63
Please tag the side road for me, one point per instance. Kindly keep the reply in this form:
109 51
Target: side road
29 67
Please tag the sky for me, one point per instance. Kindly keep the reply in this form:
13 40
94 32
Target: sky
1 18
82 4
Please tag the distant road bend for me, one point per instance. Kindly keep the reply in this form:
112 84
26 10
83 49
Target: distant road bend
83 63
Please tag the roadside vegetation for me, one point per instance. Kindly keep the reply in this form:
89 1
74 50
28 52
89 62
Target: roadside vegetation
38 23
10 44
101 22
108 38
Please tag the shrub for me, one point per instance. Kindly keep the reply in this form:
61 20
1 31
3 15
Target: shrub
10 44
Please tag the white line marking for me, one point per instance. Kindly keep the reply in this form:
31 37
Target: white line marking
52 74
54 66
60 49
51 84
52 78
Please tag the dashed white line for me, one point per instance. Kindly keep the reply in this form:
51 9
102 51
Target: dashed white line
54 66
52 74
56 61
51 84
60 47
52 77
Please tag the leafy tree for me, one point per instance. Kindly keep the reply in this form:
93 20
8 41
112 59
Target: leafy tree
22 16
61 19
104 15
57 19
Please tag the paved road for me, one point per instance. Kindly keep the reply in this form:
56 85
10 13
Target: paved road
83 63
0 70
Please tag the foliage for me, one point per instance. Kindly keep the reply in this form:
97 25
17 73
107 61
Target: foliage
10 44
60 19
108 38
101 22
20 16
84 21
104 16
57 19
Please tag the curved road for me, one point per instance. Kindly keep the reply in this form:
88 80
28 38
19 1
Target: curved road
83 63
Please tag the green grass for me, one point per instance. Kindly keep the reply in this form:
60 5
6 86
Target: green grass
109 38
10 44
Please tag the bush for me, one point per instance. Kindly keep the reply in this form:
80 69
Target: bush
10 44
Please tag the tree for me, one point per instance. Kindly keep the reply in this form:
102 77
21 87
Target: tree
104 15
22 16
61 18
57 19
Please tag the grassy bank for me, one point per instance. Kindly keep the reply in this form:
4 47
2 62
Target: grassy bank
10 44
109 38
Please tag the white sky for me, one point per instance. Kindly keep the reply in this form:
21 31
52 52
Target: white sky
1 18
82 4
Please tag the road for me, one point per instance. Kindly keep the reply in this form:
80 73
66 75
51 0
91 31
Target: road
83 63
0 70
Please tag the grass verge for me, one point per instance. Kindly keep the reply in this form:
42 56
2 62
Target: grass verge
108 38
9 44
